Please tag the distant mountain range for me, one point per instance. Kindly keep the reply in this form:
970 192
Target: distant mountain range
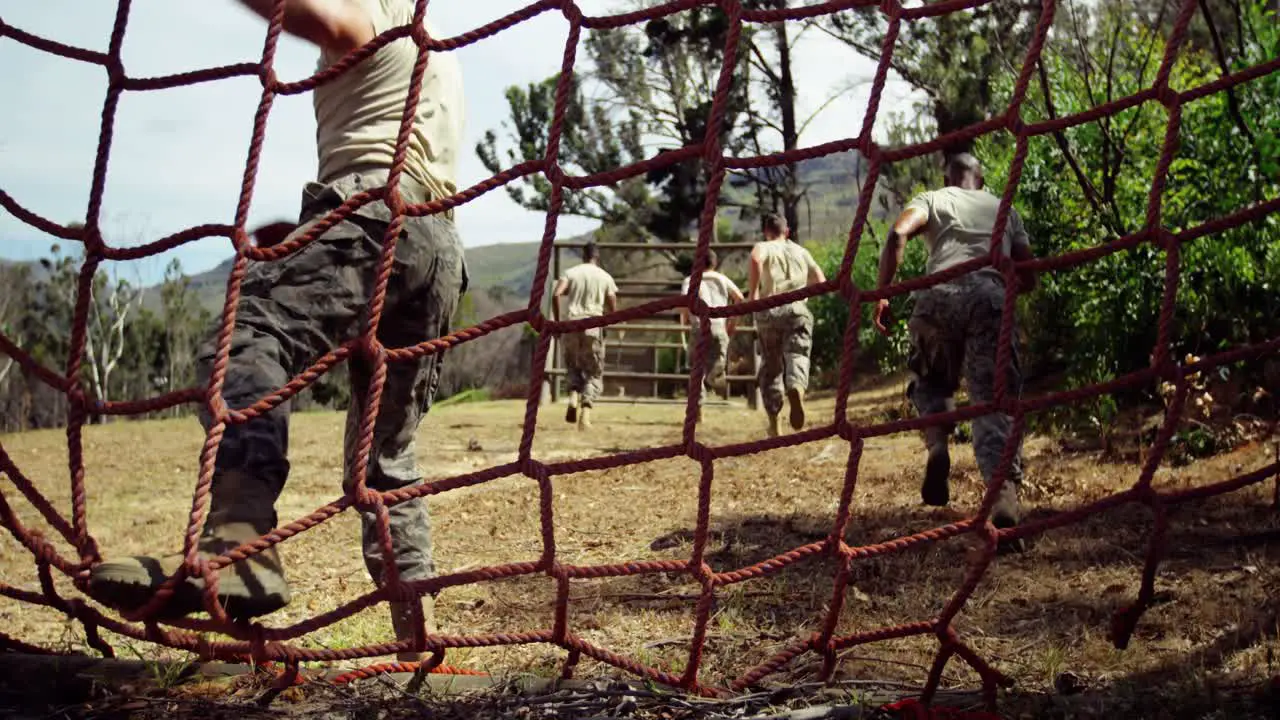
834 183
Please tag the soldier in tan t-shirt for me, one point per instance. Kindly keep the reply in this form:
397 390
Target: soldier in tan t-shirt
784 333
955 326
296 309
591 292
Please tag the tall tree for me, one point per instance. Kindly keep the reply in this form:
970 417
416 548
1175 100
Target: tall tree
113 300
954 59
14 279
653 93
184 320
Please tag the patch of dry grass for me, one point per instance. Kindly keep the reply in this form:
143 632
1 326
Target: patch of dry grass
1034 616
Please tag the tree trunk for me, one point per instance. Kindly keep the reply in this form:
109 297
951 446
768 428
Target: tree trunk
790 133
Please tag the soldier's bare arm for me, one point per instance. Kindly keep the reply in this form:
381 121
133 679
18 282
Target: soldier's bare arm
561 288
815 271
908 225
337 26
1020 251
753 277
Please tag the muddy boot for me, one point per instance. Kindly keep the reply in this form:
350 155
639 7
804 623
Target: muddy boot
571 412
936 488
1006 514
795 397
241 512
402 623
584 418
774 426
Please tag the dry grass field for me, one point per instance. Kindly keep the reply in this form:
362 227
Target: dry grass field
1035 616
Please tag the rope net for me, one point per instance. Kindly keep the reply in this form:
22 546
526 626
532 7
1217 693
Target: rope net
265 644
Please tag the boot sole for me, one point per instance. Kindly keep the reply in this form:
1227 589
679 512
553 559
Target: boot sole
797 409
936 489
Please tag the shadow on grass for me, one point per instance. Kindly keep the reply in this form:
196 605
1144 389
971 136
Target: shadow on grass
1035 615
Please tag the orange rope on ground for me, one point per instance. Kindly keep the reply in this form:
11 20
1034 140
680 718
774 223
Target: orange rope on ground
263 643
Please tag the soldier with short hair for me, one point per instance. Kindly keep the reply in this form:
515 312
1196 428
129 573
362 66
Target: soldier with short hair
590 292
784 333
955 326
294 310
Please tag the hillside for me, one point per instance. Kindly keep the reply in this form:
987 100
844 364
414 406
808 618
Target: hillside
834 183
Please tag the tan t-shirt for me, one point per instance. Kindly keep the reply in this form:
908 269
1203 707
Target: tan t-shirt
358 113
716 290
959 227
588 286
784 266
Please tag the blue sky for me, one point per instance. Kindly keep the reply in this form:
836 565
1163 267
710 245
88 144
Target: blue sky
178 155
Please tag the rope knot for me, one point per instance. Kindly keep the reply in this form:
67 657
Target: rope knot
703 454
571 12
267 76
891 8
1168 97
535 470
368 499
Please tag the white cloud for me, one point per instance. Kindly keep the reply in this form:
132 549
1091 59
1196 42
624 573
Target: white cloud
178 155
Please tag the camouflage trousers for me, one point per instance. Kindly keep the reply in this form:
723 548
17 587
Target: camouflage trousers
955 332
584 363
717 354
785 337
294 310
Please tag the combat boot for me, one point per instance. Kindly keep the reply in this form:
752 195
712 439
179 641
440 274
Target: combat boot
402 623
584 418
936 488
1007 513
795 397
241 511
571 412
774 426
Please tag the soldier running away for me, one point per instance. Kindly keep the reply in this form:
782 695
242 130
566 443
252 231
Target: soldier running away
716 290
784 333
955 326
297 308
591 292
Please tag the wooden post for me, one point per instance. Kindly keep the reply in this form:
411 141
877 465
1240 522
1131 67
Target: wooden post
754 397
553 353
653 353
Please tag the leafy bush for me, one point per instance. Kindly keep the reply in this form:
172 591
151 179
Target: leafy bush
876 353
1100 319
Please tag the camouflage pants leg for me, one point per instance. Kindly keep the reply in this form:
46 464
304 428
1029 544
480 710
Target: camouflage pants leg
584 363
955 332
785 336
717 352
295 309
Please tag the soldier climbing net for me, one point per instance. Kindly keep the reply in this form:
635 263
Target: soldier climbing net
265 644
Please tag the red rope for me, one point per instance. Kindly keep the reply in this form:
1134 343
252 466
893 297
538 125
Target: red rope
267 643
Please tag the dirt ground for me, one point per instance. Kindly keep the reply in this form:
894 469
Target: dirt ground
1035 616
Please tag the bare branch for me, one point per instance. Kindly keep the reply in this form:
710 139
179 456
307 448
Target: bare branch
1233 103
1090 193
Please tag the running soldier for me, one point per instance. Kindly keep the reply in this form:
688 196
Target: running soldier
716 290
784 333
591 292
955 326
295 309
